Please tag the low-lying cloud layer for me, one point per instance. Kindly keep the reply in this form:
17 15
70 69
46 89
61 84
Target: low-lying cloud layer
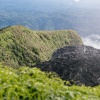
92 40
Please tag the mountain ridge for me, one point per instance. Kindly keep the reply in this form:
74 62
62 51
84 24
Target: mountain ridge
22 46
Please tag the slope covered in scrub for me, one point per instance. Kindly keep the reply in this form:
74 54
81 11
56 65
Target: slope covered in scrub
22 46
27 83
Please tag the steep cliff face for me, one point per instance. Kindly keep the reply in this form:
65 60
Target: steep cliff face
22 46
78 63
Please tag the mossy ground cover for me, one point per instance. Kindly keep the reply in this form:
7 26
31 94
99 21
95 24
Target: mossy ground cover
32 84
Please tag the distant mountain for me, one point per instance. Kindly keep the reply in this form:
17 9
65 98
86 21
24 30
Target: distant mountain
22 46
52 15
79 64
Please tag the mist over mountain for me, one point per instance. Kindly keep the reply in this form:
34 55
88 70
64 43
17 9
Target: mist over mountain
92 40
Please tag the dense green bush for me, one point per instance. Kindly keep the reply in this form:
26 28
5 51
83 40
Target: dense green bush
32 84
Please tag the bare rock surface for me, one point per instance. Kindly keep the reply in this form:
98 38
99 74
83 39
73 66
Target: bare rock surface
78 63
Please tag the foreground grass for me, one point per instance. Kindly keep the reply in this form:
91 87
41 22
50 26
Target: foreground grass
32 84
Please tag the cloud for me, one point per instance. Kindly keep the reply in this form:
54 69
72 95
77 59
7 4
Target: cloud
92 40
76 0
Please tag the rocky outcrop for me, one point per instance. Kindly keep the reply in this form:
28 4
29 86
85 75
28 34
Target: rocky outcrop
78 63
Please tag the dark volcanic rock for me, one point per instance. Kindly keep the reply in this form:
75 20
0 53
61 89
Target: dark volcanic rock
78 63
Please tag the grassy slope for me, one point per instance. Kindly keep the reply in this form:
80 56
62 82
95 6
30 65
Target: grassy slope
22 46
32 84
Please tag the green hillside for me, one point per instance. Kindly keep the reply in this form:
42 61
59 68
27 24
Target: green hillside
21 46
31 84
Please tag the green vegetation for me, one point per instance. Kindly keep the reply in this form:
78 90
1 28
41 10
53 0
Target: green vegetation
32 84
20 46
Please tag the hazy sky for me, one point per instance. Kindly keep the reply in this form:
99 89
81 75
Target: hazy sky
94 2
84 3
